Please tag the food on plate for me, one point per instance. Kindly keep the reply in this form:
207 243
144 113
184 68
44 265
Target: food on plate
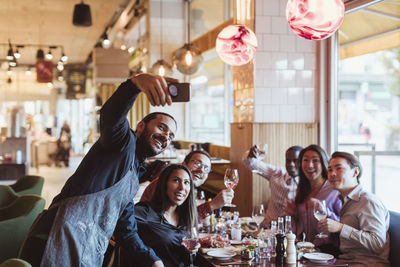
248 228
249 241
214 241
305 246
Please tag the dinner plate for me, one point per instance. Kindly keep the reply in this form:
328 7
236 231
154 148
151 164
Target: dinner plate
221 254
318 257
246 219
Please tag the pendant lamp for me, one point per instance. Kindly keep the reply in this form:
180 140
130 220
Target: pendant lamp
82 16
161 67
188 58
314 19
236 45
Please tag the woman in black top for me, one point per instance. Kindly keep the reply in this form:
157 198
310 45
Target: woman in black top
170 215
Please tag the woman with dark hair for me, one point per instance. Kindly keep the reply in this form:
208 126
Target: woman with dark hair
168 217
313 186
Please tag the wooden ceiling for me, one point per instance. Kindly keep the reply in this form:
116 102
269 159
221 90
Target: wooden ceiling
49 22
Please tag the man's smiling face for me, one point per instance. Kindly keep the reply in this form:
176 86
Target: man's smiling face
199 165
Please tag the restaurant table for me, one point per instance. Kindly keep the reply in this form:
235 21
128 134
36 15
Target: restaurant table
203 260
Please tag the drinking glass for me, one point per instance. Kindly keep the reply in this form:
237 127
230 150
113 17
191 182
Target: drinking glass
320 213
231 180
258 214
191 243
269 242
262 151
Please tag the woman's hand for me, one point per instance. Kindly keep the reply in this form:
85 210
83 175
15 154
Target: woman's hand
329 225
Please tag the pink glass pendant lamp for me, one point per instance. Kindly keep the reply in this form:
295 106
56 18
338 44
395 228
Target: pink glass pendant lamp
314 19
236 45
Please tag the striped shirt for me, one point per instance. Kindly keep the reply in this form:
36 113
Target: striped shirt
283 187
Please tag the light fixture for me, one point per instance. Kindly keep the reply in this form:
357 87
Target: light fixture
64 58
105 43
10 54
60 66
131 49
28 72
314 19
13 62
188 58
17 54
236 45
161 67
82 16
123 47
49 55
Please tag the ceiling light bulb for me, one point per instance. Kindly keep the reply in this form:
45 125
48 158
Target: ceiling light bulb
17 54
49 56
9 72
50 85
10 54
60 67
123 47
161 67
188 58
28 72
64 58
12 63
131 49
106 43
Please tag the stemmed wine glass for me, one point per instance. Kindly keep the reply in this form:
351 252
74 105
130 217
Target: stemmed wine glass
261 153
320 213
191 243
231 180
258 214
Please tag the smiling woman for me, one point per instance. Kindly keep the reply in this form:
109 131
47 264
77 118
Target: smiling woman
164 221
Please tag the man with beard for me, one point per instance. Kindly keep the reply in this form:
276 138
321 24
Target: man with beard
283 182
96 201
199 164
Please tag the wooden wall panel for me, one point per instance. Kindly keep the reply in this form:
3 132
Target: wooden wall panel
254 189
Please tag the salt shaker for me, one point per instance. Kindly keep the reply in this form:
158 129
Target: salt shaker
290 248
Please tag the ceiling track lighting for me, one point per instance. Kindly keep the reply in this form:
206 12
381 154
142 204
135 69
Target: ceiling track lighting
13 56
105 43
82 16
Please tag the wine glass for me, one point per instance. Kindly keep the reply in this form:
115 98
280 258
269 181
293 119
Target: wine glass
231 180
258 214
191 243
320 213
262 151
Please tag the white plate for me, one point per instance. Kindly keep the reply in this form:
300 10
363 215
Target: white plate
236 242
318 257
221 254
246 219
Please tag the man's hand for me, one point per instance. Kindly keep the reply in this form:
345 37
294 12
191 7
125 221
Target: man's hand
329 225
225 196
158 264
253 152
155 87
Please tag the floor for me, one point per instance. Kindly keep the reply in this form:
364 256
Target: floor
55 177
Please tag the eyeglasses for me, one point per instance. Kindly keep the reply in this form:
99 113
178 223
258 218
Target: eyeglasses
198 164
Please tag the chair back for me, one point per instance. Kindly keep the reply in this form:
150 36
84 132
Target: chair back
29 185
14 262
15 221
7 195
394 233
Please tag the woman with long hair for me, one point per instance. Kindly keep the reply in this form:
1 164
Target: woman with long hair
169 216
313 187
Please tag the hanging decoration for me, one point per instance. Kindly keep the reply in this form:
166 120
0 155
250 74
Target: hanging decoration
161 67
314 19
236 45
188 58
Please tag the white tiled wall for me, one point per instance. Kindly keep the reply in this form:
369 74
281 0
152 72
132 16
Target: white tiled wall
284 68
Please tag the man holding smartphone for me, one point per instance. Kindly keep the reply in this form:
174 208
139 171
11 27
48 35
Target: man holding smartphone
96 201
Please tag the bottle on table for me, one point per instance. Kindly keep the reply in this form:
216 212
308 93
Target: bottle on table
280 248
291 254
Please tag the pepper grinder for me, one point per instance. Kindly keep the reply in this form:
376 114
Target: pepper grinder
280 248
290 248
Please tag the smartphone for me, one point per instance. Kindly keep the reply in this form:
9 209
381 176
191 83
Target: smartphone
180 92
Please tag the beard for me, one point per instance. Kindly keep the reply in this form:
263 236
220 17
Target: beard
146 146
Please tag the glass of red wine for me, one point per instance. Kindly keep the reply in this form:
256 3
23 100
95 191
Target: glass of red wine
231 180
191 243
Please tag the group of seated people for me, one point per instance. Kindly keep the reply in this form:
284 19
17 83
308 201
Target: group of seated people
357 221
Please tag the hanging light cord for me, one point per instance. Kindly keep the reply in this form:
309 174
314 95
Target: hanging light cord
161 30
188 22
